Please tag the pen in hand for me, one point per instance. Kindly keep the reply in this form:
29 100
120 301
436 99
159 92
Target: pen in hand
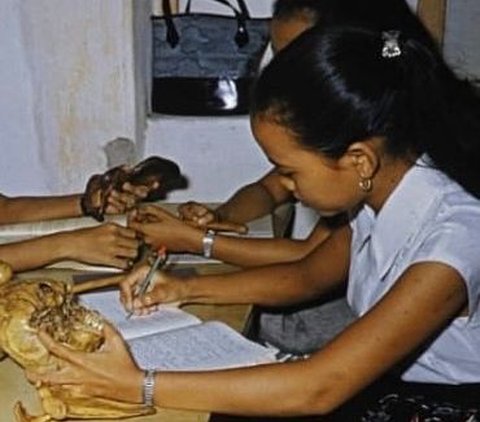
144 285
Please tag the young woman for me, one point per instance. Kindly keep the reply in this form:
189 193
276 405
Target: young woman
375 125
299 329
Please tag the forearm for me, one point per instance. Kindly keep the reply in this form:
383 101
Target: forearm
251 252
254 252
322 270
34 253
278 389
23 209
273 285
250 202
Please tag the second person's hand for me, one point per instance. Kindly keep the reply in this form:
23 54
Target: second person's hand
203 217
107 244
158 227
198 214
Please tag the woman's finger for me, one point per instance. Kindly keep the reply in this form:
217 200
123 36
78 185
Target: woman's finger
62 377
126 286
126 232
113 338
59 349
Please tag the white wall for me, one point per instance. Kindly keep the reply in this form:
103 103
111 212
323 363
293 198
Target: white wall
462 37
20 162
68 86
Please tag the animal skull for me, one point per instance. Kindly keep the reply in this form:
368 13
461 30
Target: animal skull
29 305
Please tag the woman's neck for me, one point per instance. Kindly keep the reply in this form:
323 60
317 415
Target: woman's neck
386 180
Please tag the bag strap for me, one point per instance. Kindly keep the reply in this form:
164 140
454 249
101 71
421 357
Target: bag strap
173 38
241 37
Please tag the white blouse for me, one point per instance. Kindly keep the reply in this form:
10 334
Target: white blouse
428 217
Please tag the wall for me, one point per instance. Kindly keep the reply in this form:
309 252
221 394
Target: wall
462 37
68 86
20 162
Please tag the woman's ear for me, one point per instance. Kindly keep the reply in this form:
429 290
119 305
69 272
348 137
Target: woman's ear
364 157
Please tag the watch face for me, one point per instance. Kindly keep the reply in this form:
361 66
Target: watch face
207 243
148 388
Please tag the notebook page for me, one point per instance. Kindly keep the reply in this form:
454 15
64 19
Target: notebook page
109 305
207 346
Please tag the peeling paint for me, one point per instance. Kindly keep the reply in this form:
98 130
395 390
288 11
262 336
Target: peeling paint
80 61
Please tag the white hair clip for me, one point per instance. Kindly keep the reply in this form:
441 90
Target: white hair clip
391 48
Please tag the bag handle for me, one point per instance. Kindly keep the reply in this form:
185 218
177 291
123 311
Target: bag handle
172 34
242 7
241 37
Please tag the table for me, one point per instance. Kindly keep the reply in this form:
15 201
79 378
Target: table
14 386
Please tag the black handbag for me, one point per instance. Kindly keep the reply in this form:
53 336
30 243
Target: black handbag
205 64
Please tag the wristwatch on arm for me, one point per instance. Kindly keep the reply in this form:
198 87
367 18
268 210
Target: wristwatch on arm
207 243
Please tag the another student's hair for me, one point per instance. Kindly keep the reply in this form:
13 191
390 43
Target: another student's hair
332 87
375 14
285 9
378 15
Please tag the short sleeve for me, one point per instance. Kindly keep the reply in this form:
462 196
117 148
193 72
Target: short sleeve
455 241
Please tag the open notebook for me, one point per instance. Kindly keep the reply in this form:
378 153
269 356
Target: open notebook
262 227
172 339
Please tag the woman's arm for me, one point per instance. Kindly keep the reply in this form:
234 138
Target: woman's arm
254 252
421 303
160 228
255 200
23 209
246 204
324 269
108 244
27 208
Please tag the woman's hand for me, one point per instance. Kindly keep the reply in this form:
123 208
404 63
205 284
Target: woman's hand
160 228
108 244
197 214
166 289
95 374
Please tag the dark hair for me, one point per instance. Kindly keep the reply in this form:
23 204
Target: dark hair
285 9
378 15
332 87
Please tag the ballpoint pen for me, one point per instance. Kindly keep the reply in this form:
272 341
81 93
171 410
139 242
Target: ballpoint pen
142 287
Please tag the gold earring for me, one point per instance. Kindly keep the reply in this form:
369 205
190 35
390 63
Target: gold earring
365 184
